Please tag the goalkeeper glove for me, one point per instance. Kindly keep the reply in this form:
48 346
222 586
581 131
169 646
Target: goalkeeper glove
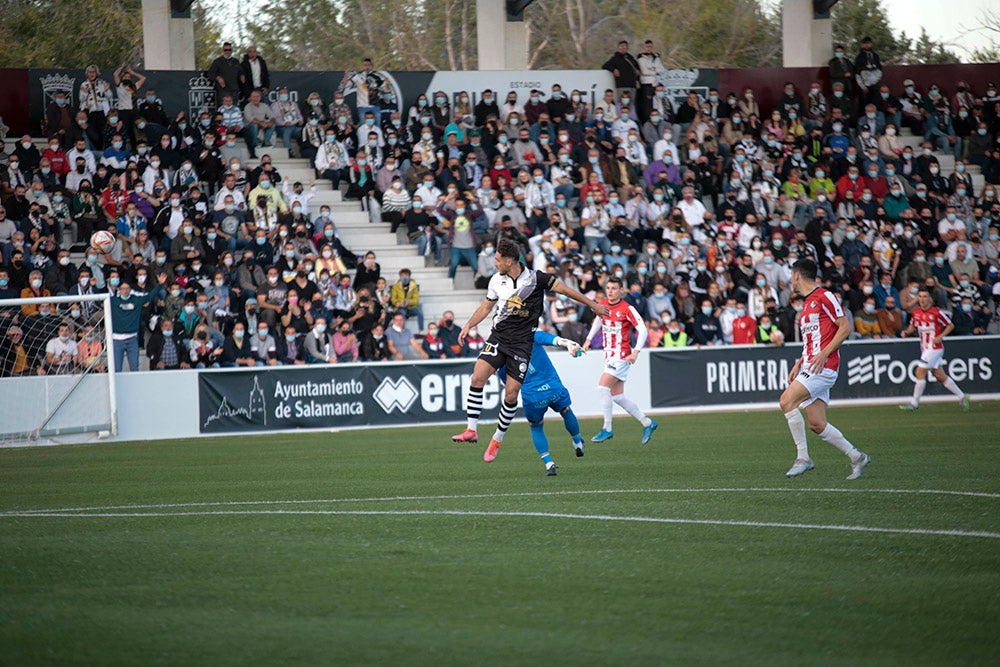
574 348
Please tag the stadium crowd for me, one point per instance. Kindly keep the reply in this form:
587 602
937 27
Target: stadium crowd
700 208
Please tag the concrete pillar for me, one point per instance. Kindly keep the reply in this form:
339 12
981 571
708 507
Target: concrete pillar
490 19
168 44
516 45
502 44
805 42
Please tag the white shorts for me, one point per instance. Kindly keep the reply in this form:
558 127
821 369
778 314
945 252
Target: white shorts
618 368
818 385
931 359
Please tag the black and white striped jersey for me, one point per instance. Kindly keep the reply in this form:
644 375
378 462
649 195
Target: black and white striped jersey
519 305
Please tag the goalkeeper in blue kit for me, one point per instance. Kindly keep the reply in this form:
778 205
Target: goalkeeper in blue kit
542 389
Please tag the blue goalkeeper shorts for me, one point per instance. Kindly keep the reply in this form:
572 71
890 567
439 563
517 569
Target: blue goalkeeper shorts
536 406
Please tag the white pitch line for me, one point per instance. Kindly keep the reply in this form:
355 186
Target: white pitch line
544 515
379 499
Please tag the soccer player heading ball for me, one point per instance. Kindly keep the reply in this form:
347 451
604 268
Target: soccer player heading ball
824 328
518 294
619 355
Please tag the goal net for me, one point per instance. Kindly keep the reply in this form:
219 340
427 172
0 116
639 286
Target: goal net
55 384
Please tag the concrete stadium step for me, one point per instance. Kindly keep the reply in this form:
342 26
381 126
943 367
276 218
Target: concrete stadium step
350 217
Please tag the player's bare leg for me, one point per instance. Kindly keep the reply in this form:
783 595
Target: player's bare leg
794 395
481 373
818 424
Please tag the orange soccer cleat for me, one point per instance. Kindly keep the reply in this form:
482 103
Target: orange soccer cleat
492 450
468 435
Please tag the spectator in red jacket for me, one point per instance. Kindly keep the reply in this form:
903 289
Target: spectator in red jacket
744 327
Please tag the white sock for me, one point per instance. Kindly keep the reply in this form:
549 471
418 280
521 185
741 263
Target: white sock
918 391
797 425
950 385
832 435
630 407
606 407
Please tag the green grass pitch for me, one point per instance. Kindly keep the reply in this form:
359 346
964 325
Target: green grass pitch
434 557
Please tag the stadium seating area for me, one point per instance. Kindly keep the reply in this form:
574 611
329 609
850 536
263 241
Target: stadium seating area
701 208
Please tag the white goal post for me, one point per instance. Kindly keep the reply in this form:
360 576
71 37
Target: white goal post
56 384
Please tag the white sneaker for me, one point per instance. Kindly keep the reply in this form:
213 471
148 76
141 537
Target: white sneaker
799 467
859 465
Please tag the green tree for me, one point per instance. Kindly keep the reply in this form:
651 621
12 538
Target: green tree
55 33
853 20
207 36
337 34
926 51
710 33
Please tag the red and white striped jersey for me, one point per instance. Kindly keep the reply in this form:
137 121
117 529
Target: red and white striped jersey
930 324
818 323
617 330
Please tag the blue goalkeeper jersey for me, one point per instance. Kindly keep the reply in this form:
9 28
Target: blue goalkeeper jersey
541 378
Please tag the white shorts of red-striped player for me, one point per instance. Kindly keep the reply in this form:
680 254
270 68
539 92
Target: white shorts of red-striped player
617 368
818 384
931 359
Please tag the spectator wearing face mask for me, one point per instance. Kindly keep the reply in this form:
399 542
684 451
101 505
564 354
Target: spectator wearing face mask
405 298
165 351
890 318
865 320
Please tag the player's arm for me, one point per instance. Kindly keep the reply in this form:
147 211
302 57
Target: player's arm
795 370
482 311
843 331
642 333
562 288
545 338
590 334
944 332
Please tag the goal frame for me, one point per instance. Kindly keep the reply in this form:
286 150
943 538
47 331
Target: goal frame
105 300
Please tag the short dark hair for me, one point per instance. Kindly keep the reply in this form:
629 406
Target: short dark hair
509 249
613 279
805 268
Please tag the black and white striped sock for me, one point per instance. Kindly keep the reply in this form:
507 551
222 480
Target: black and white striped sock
474 407
507 412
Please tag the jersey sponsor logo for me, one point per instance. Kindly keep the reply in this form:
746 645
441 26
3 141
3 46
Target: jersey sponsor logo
516 306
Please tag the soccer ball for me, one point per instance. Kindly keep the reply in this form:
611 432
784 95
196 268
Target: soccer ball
102 241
